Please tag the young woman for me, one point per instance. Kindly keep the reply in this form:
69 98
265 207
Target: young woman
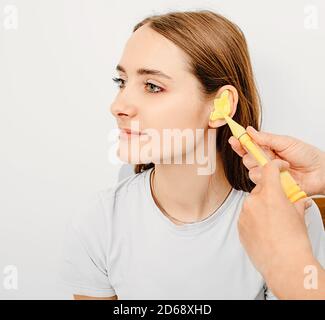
169 232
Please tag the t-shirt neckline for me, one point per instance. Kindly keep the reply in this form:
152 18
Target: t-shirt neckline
191 228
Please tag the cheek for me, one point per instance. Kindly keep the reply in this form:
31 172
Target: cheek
178 111
187 116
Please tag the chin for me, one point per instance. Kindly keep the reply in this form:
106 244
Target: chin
129 156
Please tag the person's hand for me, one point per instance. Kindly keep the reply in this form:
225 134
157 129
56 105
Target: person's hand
307 163
272 229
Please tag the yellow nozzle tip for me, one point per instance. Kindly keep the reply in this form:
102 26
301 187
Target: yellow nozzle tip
222 111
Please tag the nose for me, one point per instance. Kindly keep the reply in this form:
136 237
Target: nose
124 104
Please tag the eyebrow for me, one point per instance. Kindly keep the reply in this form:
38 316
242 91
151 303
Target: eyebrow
143 71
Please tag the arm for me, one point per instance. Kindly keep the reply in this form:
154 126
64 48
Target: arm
302 276
286 244
295 281
84 267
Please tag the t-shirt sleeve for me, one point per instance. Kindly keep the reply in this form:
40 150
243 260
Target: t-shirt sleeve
316 232
316 235
83 266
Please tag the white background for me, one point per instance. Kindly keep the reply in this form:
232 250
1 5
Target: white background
55 95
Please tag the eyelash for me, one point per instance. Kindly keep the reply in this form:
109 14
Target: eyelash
119 81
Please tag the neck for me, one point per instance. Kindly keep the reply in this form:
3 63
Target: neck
185 194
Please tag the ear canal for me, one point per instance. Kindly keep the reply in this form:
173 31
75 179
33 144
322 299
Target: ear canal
221 106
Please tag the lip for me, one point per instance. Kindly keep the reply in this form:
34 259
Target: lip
125 132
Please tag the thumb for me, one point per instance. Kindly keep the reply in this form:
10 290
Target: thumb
274 141
270 174
302 205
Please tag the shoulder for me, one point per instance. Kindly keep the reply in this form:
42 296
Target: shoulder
129 187
101 206
232 206
315 228
239 197
313 216
91 228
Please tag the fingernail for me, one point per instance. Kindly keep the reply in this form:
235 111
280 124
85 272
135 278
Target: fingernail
252 128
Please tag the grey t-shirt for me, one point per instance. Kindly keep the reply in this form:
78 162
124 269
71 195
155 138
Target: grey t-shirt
122 244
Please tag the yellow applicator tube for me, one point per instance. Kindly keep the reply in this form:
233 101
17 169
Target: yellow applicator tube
222 111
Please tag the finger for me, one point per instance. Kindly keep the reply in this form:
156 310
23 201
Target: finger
302 205
281 164
270 178
249 162
257 189
236 146
255 174
269 153
273 141
241 151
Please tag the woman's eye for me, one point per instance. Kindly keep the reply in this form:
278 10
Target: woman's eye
156 89
152 87
120 82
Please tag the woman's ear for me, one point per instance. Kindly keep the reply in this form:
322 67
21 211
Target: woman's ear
233 101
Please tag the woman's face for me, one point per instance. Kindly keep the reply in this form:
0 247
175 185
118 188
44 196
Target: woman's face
160 102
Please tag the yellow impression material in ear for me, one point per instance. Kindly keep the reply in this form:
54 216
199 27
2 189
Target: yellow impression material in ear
222 111
221 107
